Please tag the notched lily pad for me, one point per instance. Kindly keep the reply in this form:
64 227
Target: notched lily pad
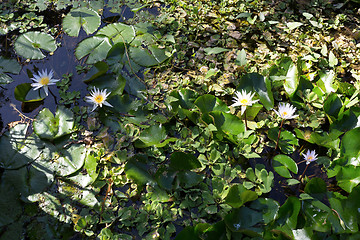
30 44
86 18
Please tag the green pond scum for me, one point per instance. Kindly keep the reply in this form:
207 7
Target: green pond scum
186 119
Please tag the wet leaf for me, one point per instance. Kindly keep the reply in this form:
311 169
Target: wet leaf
183 161
29 45
86 18
282 164
96 48
239 195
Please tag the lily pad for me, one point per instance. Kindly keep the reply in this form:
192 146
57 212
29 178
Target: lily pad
282 164
86 18
8 66
96 48
48 126
25 93
30 44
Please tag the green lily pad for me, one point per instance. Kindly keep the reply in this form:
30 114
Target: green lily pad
118 32
148 57
282 164
86 18
228 123
17 149
48 126
239 195
184 161
96 48
29 45
25 93
154 136
70 160
350 144
8 66
262 86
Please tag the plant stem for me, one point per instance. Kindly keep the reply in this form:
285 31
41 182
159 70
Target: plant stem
245 121
302 175
278 138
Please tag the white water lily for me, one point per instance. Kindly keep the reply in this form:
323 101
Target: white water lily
286 111
310 156
43 79
98 98
243 99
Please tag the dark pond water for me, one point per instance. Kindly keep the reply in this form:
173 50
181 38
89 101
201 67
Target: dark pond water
63 61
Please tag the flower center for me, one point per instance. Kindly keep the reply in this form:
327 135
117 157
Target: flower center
99 99
44 81
244 101
310 158
284 113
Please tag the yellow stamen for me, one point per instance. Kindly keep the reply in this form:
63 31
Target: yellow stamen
244 101
284 113
99 99
44 81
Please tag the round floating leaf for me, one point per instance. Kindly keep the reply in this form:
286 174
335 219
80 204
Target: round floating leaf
350 144
348 177
289 211
268 207
45 124
16 149
86 18
316 186
153 136
29 45
282 164
262 86
243 218
97 47
25 93
48 126
137 169
238 195
228 122
184 161
70 160
8 66
148 57
118 32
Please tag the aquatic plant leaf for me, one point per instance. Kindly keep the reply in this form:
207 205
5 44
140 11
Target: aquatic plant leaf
48 126
215 50
289 211
332 106
241 58
326 82
227 122
16 149
183 161
137 170
153 136
350 144
118 32
25 93
287 140
292 79
8 66
71 160
86 18
29 45
243 218
282 164
187 233
269 208
148 57
262 86
239 195
348 177
96 48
